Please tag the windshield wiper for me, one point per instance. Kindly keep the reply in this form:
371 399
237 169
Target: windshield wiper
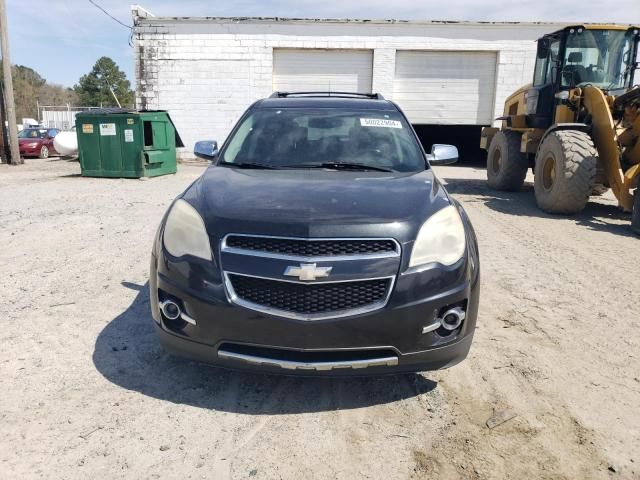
340 166
249 165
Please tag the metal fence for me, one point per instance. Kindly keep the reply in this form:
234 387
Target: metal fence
60 116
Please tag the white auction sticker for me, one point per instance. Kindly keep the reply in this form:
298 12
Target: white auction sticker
128 135
107 129
380 122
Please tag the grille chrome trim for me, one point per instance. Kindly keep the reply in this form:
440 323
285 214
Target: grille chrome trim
234 298
306 282
224 248
319 366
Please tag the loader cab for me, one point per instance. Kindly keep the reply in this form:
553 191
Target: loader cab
601 56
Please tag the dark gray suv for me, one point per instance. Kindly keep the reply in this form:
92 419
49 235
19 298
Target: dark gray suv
318 241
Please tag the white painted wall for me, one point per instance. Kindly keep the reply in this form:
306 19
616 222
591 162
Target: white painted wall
206 71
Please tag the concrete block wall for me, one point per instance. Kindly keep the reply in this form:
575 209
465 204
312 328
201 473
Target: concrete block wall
207 71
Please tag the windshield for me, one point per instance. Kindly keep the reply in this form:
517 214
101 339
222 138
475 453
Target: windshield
299 138
32 133
603 58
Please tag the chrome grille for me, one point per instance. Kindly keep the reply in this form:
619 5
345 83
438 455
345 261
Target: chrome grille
310 299
256 277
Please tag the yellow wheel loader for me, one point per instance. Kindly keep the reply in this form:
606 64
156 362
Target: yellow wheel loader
577 125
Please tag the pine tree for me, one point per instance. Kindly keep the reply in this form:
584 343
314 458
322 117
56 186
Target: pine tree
95 88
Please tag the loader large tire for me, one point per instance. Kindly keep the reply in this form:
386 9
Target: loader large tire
506 166
635 216
565 171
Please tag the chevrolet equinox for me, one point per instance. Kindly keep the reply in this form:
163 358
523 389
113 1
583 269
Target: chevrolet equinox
319 240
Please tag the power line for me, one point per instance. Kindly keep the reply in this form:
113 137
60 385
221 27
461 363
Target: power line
109 15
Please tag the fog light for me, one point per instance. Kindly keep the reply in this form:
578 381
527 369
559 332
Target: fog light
449 321
453 318
170 309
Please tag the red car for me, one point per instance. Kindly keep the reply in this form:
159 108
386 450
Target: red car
37 142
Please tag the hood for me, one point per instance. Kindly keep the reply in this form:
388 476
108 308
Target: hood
316 203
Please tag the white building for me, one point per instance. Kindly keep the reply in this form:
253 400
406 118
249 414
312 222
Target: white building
206 71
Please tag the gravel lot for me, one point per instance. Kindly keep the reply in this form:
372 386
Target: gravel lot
88 393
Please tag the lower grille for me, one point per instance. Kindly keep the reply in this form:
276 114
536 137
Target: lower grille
311 299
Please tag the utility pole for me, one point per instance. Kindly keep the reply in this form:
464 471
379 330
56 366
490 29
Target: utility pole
4 147
10 106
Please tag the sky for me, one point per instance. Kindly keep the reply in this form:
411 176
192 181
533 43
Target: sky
62 39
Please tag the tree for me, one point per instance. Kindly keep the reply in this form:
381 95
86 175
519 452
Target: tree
53 94
94 89
30 88
26 83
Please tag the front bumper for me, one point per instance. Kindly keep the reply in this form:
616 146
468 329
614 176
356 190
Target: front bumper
389 340
30 151
431 359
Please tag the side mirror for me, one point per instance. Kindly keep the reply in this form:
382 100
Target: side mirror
206 149
442 154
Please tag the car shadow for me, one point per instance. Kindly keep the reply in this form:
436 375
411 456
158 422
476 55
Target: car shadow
597 215
128 354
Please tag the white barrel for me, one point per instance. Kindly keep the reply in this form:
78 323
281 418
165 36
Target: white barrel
66 143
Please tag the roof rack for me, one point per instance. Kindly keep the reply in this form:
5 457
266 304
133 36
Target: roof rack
374 96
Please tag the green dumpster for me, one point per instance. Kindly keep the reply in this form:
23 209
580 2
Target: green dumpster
121 143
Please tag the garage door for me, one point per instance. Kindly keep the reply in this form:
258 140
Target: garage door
450 88
325 70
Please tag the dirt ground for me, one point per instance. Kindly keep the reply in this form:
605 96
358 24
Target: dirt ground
87 391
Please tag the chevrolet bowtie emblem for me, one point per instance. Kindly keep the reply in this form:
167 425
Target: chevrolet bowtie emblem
308 271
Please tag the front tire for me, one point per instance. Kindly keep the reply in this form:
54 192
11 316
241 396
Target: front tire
635 216
565 171
44 152
506 165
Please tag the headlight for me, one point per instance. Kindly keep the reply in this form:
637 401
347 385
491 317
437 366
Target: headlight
440 239
184 232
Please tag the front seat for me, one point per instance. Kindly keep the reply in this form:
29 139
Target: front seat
574 73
